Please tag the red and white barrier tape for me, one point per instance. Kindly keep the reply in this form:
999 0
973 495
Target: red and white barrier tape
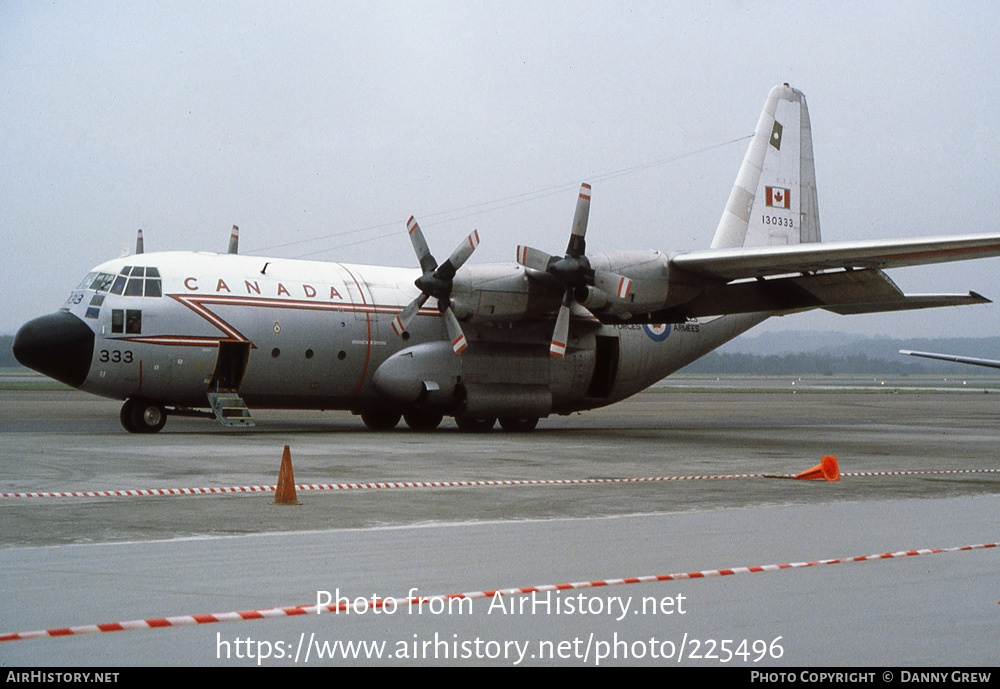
147 492
187 620
917 472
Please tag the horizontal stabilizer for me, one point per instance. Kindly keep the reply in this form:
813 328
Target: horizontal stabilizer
908 302
992 363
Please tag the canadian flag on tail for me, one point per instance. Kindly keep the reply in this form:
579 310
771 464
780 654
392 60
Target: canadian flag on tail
776 197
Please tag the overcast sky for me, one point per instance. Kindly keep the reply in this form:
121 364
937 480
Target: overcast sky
319 128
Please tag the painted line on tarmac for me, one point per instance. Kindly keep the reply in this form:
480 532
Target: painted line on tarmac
397 485
346 605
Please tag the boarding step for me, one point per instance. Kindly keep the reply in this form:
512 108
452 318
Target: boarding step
230 409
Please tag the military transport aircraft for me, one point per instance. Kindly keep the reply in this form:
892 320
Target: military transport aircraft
181 333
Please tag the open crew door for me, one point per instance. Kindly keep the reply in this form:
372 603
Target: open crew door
223 392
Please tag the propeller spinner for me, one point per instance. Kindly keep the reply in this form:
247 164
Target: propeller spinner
436 281
573 271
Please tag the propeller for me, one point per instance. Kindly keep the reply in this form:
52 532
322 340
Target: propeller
573 271
436 281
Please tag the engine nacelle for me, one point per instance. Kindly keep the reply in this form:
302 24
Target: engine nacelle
502 292
425 373
649 272
510 292
593 298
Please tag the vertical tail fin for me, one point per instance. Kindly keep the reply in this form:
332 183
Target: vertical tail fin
774 199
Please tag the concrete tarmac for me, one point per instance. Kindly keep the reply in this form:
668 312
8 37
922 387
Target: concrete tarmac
78 561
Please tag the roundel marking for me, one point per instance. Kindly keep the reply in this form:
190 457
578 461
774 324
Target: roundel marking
657 332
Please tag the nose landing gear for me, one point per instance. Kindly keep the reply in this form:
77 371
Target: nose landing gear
142 416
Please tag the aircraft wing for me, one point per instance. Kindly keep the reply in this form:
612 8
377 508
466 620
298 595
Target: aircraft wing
992 363
842 277
763 261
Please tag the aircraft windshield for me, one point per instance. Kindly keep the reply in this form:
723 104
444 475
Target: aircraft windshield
102 282
131 281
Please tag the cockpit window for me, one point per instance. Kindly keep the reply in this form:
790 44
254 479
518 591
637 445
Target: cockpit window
131 281
102 283
134 287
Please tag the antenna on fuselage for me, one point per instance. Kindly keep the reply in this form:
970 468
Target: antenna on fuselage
234 240
138 242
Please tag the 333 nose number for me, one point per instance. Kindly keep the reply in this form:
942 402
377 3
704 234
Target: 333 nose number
116 356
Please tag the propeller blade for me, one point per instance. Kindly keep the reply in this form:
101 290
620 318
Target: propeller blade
447 270
427 261
436 281
533 258
234 240
613 284
455 334
560 336
577 243
402 321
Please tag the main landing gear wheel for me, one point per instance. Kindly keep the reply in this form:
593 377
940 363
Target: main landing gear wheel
380 419
518 425
125 416
422 419
470 425
143 416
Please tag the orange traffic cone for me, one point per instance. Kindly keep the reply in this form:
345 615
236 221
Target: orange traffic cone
284 494
826 469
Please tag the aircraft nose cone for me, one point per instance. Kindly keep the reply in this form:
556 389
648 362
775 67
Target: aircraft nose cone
59 345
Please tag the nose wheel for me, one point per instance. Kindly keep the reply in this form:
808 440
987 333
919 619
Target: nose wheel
142 416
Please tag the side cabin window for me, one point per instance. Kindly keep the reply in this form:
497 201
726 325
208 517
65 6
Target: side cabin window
126 321
133 321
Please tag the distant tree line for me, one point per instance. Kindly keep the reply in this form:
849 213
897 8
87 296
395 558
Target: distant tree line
811 364
6 354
